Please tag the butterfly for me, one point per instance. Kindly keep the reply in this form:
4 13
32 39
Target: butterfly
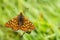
20 22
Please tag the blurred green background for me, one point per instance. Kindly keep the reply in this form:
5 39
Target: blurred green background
44 14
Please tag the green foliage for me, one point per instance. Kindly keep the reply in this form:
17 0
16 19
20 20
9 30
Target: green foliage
44 14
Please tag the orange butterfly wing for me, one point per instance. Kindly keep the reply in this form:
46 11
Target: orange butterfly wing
27 25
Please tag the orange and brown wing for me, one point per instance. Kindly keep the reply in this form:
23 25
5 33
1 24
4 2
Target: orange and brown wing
27 26
12 24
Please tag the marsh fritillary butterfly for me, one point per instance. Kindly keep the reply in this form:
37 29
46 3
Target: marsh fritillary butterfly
20 22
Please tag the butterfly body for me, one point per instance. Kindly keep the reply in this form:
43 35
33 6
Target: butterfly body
20 19
20 23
